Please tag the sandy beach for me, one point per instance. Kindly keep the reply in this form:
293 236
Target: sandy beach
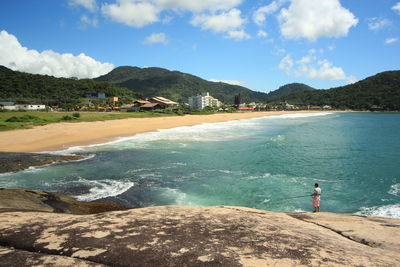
60 136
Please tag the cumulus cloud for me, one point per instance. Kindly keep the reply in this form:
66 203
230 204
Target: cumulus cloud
86 21
260 15
237 35
262 34
233 82
16 57
312 19
311 67
396 7
222 22
91 5
139 13
199 6
132 13
378 23
155 38
391 40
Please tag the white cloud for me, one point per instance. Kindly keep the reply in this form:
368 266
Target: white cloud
199 5
86 21
237 35
222 22
16 57
155 38
91 5
311 67
391 40
378 23
260 15
262 34
134 13
396 7
233 82
312 19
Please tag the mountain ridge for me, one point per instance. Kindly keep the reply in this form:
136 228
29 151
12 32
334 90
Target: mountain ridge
381 90
176 85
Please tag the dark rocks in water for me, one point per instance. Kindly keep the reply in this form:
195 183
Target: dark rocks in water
197 236
14 161
24 199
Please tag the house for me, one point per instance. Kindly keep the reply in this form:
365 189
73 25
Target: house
30 107
327 107
314 107
163 102
112 100
8 106
151 106
203 100
246 109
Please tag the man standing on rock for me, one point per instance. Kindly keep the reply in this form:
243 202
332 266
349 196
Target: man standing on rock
316 197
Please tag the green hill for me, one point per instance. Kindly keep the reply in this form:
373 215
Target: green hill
288 89
381 90
176 85
42 89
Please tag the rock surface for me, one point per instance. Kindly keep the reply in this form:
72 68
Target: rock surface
24 199
197 236
14 162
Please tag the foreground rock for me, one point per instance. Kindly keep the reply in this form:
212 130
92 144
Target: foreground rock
24 199
13 162
197 236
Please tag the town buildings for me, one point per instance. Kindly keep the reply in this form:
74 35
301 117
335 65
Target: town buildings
27 107
203 100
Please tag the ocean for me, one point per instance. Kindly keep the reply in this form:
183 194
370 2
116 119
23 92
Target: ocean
268 163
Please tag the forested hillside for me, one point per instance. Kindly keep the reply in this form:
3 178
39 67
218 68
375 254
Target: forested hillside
176 85
381 90
288 89
42 89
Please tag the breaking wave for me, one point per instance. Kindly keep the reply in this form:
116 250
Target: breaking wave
392 211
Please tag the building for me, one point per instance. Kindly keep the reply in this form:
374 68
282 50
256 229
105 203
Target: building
163 102
27 107
96 95
112 100
203 100
8 106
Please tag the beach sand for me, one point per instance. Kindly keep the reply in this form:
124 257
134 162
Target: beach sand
60 136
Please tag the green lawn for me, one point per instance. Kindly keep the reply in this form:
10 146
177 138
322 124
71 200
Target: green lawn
11 120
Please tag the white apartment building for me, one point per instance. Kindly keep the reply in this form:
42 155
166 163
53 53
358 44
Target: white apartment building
203 100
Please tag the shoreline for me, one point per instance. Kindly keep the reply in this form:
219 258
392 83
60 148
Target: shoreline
61 136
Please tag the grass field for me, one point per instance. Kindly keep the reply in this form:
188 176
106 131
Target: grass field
11 120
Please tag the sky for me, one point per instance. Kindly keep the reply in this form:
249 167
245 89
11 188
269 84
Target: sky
259 44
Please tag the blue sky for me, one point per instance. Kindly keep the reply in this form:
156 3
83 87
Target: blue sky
255 43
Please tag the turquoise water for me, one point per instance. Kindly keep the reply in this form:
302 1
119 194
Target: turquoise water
267 163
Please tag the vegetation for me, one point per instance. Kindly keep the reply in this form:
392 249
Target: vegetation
381 90
176 85
27 88
11 120
288 89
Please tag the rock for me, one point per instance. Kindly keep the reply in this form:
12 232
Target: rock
24 199
13 162
200 236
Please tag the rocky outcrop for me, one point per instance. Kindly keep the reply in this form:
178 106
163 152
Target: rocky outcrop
197 236
24 199
14 162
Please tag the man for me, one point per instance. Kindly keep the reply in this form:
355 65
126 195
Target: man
316 197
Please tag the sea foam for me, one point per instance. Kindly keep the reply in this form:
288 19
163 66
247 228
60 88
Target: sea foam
392 211
206 132
103 188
